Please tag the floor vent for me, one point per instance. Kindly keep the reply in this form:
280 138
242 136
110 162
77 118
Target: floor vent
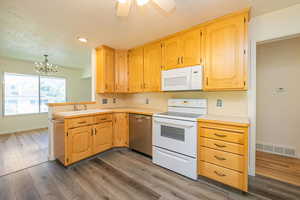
276 149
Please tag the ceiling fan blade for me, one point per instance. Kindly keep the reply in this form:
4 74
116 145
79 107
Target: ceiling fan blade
167 5
123 8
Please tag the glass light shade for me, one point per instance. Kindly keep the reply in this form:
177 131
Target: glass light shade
141 2
122 1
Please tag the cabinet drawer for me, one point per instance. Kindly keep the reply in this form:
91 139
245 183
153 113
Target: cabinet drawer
228 136
223 175
221 145
103 118
82 121
221 158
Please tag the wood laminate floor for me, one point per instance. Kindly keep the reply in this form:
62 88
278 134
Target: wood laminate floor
125 175
22 150
278 167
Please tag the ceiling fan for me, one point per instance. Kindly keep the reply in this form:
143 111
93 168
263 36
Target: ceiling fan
123 6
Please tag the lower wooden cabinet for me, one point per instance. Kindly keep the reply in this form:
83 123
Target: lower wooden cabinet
120 130
223 152
79 143
102 137
75 140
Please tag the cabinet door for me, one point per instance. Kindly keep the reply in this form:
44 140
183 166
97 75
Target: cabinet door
120 130
171 53
79 143
109 65
136 65
191 48
105 74
121 71
225 67
102 139
152 67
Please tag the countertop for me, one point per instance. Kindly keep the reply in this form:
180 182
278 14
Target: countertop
75 114
244 121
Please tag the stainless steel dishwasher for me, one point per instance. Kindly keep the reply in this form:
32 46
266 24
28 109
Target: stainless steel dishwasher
140 133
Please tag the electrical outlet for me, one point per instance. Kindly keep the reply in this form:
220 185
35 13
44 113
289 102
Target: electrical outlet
104 101
114 100
219 103
147 101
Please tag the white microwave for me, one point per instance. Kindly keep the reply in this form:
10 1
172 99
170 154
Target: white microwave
187 78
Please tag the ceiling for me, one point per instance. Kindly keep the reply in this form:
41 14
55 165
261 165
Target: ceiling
31 28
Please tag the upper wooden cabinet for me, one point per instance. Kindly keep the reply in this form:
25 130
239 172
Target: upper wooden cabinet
105 72
121 71
225 54
182 50
152 67
136 70
171 53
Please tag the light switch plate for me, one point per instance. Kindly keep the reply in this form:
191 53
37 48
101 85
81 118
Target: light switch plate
147 101
104 101
219 103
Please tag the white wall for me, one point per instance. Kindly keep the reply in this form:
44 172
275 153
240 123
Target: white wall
77 90
278 66
271 26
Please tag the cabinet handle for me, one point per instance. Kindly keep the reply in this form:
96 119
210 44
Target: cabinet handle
206 80
181 59
178 60
82 122
95 131
92 133
106 86
102 119
144 85
221 146
219 174
220 158
220 135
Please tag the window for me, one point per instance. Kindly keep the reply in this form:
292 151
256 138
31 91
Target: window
25 94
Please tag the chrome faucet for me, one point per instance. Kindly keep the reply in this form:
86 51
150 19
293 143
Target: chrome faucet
76 107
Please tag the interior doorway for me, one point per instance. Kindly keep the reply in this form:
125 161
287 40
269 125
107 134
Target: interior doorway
278 108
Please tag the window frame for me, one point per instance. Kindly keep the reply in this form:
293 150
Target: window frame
39 92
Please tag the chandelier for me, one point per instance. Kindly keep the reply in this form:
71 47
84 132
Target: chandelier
45 67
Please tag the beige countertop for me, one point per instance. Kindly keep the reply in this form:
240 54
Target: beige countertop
226 119
146 111
86 113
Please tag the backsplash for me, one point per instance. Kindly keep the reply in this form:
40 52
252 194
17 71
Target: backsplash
219 103
232 103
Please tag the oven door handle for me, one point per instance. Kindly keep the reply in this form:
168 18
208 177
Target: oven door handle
173 124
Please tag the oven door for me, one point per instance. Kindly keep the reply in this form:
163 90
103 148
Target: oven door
175 135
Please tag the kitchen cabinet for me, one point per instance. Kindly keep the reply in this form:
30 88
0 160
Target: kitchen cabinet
152 67
105 70
226 54
223 152
102 137
183 50
81 137
120 130
121 71
136 70
79 143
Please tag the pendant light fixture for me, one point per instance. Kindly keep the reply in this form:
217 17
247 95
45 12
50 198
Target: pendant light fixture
45 67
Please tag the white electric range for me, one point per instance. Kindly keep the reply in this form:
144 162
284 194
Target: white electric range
175 135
